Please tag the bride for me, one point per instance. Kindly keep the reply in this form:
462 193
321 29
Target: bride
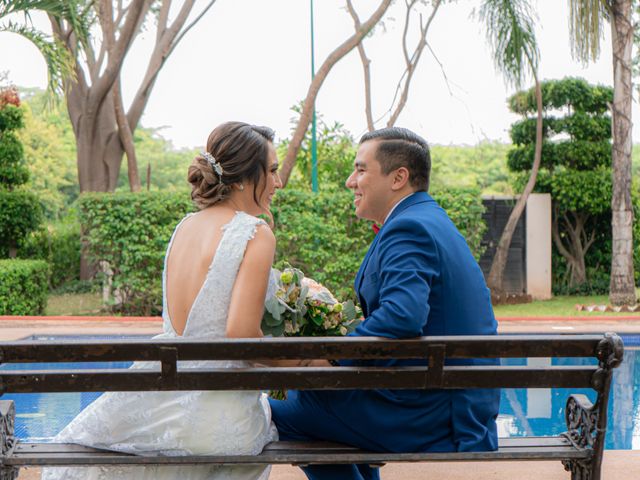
215 281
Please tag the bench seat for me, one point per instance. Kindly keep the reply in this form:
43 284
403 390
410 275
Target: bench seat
296 453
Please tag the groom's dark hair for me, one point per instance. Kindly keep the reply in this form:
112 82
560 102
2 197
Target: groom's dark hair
399 147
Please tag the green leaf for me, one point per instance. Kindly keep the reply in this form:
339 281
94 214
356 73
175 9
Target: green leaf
275 331
270 320
273 307
349 310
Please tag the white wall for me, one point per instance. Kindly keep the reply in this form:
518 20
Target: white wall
538 228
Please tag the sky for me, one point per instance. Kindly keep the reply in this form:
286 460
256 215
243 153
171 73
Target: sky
249 60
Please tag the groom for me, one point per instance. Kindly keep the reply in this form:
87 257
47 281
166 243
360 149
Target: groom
418 278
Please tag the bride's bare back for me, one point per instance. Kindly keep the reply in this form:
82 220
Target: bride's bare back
189 259
192 251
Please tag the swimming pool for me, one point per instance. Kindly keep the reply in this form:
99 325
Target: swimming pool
522 411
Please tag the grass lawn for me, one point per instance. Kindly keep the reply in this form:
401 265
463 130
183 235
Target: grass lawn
74 304
561 306
91 304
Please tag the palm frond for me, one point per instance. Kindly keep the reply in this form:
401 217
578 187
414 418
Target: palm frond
510 31
56 8
72 11
586 27
60 65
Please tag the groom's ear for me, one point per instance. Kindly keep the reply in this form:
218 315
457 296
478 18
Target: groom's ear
400 178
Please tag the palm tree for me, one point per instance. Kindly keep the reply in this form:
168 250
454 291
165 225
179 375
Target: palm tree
59 62
587 21
510 33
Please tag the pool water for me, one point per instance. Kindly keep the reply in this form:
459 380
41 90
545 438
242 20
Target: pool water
540 411
537 411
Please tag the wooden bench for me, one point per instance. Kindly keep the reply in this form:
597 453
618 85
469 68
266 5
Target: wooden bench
580 448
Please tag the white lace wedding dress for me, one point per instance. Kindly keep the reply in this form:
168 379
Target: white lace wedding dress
182 423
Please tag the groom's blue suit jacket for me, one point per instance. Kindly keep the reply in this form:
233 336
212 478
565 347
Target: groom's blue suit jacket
420 278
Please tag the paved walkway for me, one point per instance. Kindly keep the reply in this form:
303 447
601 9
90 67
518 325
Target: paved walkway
618 464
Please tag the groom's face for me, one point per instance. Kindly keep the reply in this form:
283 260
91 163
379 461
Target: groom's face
372 189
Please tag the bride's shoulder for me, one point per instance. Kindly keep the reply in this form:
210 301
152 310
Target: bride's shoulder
258 232
245 217
249 221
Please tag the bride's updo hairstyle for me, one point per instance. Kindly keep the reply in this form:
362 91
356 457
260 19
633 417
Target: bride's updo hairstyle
236 153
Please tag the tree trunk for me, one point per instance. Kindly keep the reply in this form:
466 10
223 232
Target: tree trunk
126 138
575 246
99 149
496 274
622 286
314 88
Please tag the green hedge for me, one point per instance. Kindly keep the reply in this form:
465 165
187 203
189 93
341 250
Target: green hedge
317 233
131 231
59 245
23 287
464 207
20 213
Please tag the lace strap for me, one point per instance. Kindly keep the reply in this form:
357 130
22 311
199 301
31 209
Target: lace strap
237 233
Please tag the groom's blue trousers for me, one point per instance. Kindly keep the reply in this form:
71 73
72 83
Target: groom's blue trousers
303 417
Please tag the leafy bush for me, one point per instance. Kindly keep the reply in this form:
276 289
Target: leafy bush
130 232
23 287
576 170
317 233
320 235
13 170
573 154
59 244
336 151
20 213
576 93
464 207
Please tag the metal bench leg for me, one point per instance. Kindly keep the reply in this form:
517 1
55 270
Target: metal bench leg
7 438
582 419
586 422
580 469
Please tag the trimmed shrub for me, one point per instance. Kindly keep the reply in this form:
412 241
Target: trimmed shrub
317 233
130 231
23 287
20 210
20 214
464 207
576 170
59 245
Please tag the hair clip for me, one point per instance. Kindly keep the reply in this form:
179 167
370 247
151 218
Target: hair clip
214 163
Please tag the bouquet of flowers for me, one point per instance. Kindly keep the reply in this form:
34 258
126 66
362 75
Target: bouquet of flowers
304 308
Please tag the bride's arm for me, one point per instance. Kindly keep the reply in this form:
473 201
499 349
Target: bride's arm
247 297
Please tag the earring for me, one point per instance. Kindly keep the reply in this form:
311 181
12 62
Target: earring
241 187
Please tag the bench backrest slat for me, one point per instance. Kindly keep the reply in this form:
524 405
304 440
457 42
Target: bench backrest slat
503 346
322 378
